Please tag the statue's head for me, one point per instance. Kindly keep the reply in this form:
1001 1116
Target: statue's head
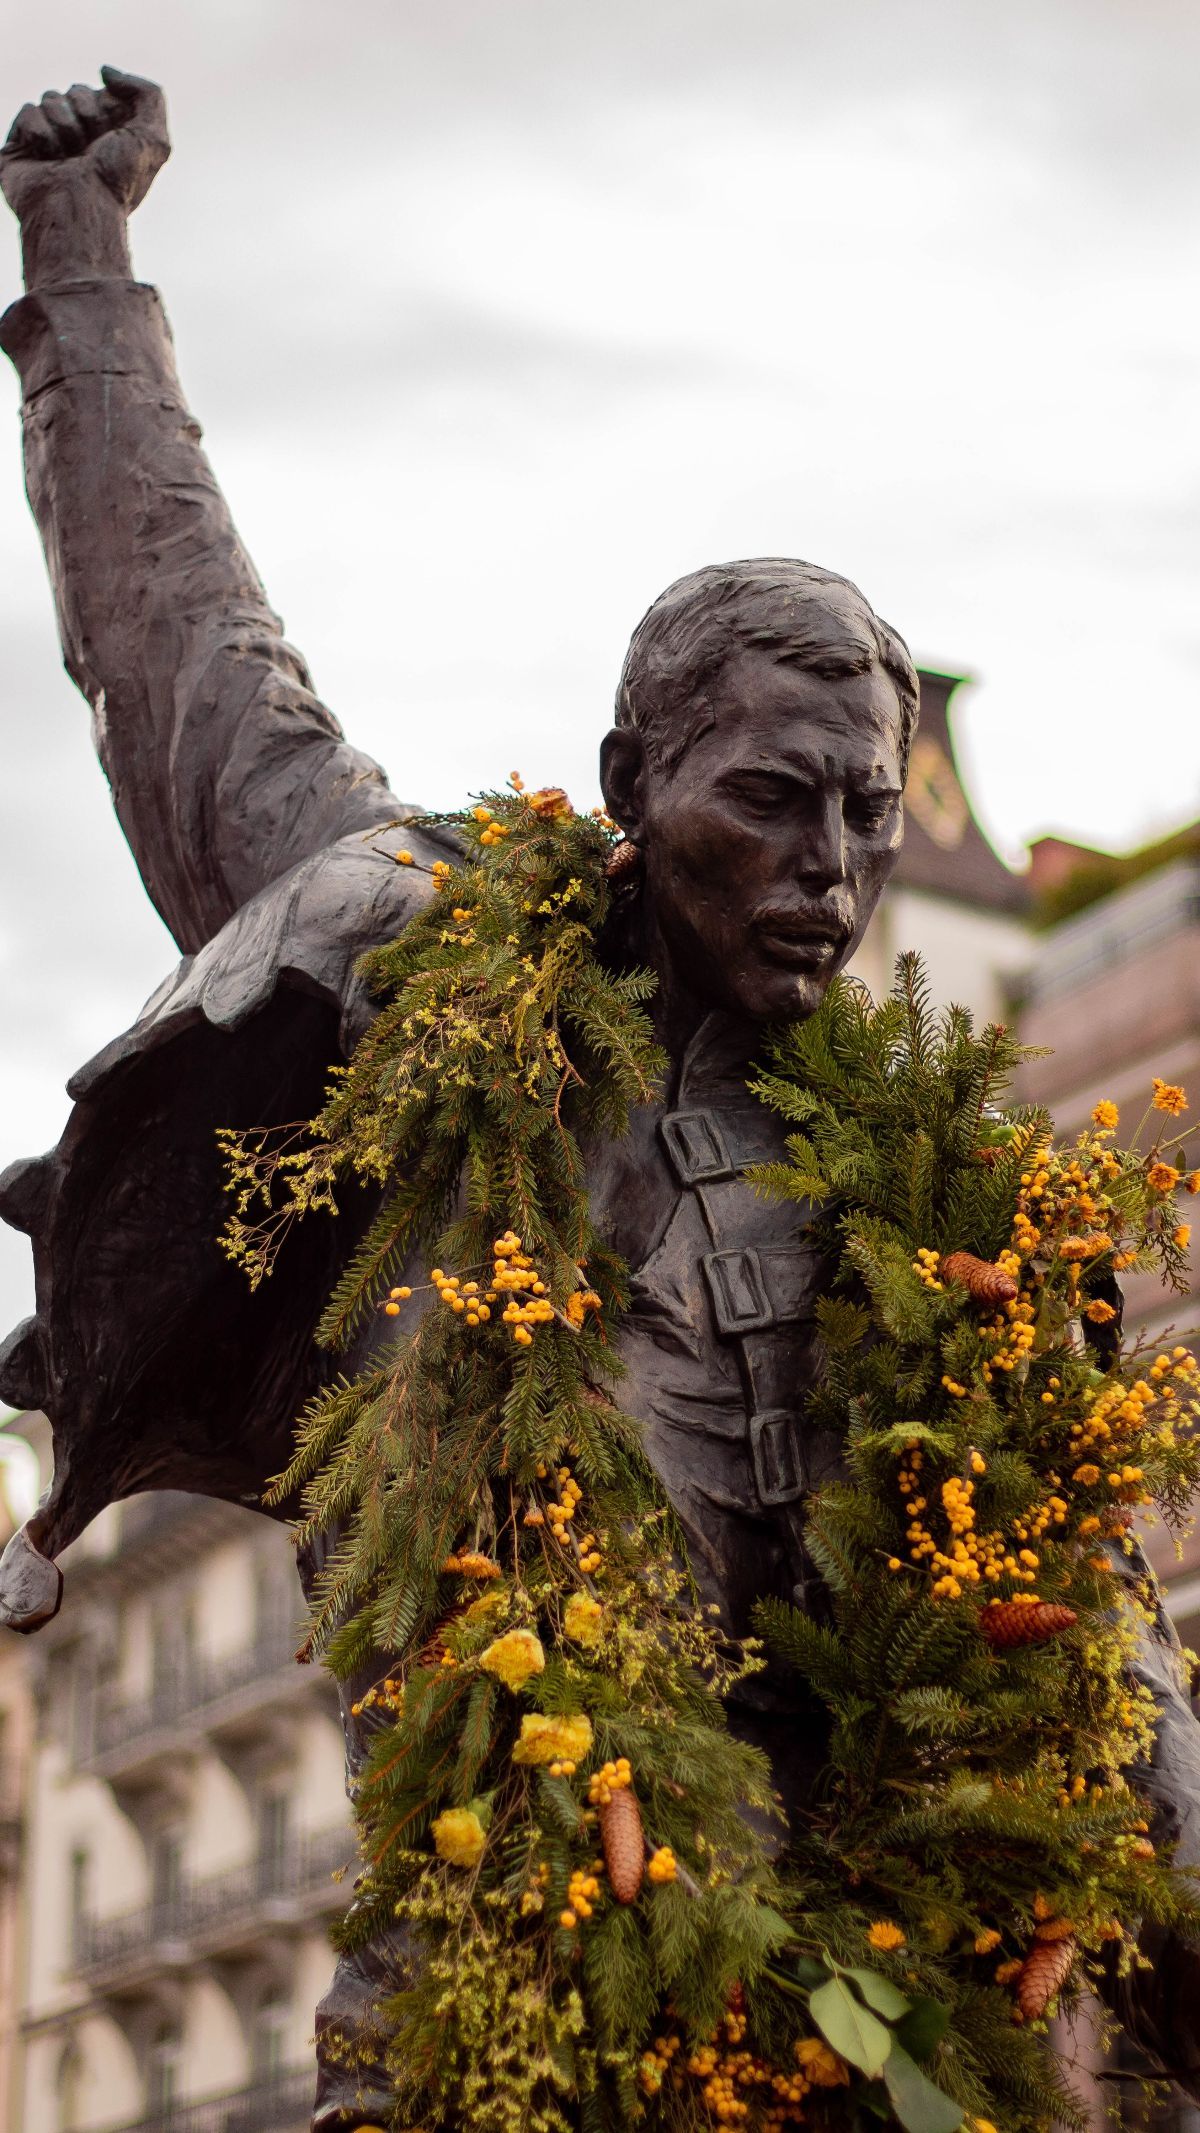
763 724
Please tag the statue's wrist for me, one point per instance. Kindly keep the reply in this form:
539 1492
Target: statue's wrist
76 231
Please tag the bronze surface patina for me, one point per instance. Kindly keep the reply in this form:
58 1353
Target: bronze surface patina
756 766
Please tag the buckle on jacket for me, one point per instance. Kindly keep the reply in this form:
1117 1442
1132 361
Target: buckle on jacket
740 1298
696 1147
775 1456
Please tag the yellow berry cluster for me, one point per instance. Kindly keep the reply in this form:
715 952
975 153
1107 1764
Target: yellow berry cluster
559 1515
582 1891
926 1265
396 1297
386 1696
735 2083
970 1557
1122 1419
610 1778
467 1299
515 1274
492 830
656 2063
662 1864
1010 1335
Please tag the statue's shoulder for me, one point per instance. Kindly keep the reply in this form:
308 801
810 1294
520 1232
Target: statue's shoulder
310 928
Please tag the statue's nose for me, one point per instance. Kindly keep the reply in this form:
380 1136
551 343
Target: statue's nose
822 848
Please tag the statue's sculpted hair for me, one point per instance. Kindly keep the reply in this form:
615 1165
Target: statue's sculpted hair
800 613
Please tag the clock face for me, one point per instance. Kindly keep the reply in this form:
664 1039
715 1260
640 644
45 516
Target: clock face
933 796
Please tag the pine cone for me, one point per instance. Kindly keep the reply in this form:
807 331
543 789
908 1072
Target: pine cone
1044 1972
623 1844
1008 1623
988 1284
623 865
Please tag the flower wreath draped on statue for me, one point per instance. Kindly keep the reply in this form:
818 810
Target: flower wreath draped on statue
610 1923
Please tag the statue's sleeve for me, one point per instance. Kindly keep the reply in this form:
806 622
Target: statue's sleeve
1158 2000
225 769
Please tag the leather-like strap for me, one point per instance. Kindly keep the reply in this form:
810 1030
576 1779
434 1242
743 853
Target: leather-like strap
754 1289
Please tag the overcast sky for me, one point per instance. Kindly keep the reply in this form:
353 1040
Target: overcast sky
499 317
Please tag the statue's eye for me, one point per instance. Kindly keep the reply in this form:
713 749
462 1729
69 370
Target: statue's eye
869 811
763 795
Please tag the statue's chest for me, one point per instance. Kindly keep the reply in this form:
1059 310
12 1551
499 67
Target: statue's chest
719 1342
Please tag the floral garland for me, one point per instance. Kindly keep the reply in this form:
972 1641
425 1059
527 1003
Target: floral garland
585 1860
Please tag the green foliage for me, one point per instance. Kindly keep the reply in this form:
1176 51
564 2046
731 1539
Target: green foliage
492 1527
973 1793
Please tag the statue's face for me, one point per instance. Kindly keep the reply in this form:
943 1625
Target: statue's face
767 846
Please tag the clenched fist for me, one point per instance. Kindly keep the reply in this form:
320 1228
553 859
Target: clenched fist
75 165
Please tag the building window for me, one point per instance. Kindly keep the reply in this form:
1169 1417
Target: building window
271 2025
162 2071
274 1829
68 2088
166 1879
81 1874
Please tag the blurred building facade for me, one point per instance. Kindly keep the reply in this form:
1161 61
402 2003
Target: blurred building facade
1113 992
184 1821
950 897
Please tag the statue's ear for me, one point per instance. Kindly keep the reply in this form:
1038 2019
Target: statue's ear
622 779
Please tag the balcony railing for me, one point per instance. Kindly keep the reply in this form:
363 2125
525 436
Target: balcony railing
182 1696
220 1910
282 2104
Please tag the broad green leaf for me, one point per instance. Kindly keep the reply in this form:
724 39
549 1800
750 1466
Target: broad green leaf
809 1971
923 2027
879 1992
800 1975
846 2024
919 2106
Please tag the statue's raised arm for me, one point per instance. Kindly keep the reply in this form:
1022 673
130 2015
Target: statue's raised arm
225 768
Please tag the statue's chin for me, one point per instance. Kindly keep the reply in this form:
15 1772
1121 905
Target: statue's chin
775 995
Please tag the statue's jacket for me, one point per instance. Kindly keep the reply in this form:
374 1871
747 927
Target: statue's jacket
268 845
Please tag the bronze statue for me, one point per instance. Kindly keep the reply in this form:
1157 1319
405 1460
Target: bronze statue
762 731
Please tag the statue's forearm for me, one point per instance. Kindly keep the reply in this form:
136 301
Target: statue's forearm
77 232
224 768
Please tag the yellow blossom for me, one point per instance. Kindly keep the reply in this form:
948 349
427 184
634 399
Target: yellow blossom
514 1657
1162 1177
1169 1097
823 2067
458 1837
1106 1116
985 1942
1182 1236
1099 1312
582 1617
470 1563
550 803
547 1739
884 1935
